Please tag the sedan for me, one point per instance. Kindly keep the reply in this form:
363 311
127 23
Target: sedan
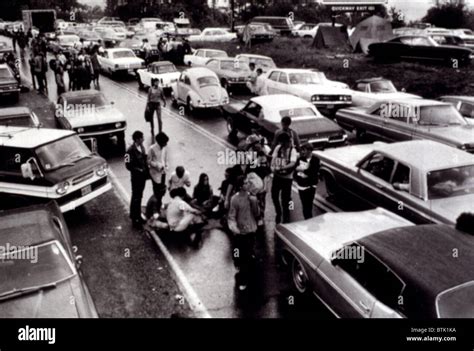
265 113
89 114
419 47
47 278
383 267
164 71
213 35
120 60
259 32
199 88
265 63
231 72
9 84
423 181
64 42
409 119
464 104
200 56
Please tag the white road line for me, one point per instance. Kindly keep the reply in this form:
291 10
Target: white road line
195 303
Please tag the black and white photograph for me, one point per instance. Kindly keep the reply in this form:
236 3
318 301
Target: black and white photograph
237 159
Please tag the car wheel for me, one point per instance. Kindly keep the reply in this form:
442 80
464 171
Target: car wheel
189 63
300 279
16 97
189 105
225 84
332 189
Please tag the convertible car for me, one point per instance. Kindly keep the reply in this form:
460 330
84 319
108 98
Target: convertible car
408 119
423 181
419 47
464 104
265 113
367 91
44 282
374 264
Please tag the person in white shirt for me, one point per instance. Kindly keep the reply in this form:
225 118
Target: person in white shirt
260 83
158 166
180 178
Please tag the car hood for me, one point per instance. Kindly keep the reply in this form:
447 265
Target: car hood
8 81
347 156
308 127
96 117
456 134
211 92
50 303
234 107
233 74
324 89
125 60
450 208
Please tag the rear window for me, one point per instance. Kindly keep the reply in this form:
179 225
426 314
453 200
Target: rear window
298 112
457 302
17 121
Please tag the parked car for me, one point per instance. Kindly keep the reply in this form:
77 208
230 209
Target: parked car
64 42
44 283
149 22
259 32
54 165
120 60
199 88
307 30
448 39
110 37
5 49
419 47
18 117
467 35
382 267
231 72
410 119
265 113
9 83
89 114
264 62
282 25
164 71
367 91
309 85
464 104
90 37
421 180
213 35
200 56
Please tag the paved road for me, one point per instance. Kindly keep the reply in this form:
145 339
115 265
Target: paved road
195 143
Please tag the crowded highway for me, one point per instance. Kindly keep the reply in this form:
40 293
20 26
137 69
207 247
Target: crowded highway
252 188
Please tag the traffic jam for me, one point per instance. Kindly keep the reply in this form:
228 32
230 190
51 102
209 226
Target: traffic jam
152 169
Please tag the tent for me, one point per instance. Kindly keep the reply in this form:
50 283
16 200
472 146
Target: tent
331 37
371 30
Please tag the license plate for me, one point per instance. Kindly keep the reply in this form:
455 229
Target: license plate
86 190
330 106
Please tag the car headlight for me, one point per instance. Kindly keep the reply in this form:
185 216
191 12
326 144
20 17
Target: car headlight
342 98
102 170
463 147
80 130
61 188
315 98
118 125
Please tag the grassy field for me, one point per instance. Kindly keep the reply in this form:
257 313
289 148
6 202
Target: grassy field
425 79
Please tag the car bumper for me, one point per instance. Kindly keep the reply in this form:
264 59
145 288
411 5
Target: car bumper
71 205
331 105
9 91
209 105
321 143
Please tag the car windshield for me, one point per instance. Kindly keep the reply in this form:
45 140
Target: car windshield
204 81
468 32
440 115
63 152
165 69
307 78
382 86
68 39
34 266
123 54
450 182
262 62
216 54
5 73
237 66
93 101
457 302
298 112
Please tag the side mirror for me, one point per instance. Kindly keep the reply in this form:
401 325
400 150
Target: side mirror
27 171
401 187
78 259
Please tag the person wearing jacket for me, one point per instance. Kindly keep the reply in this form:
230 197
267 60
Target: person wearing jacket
306 178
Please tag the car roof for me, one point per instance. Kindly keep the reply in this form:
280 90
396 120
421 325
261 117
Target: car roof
161 63
77 93
294 70
423 256
459 97
200 71
21 137
280 101
27 226
11 111
414 101
210 50
370 80
256 56
414 153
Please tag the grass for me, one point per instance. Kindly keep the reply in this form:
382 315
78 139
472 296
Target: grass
424 79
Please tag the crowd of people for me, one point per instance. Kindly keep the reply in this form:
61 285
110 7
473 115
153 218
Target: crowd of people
240 203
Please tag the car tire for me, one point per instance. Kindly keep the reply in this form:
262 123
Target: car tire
299 276
189 63
332 189
233 132
121 142
16 97
225 84
189 106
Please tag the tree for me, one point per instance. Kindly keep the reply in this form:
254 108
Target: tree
449 15
397 17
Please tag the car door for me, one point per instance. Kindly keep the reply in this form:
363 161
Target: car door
271 82
399 121
182 86
282 86
250 117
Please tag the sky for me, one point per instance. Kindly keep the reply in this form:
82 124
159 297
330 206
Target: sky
100 3
416 9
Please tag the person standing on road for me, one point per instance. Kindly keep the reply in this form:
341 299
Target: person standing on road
40 72
31 62
306 178
136 163
283 162
59 76
155 94
14 39
95 67
251 83
242 220
285 128
158 165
